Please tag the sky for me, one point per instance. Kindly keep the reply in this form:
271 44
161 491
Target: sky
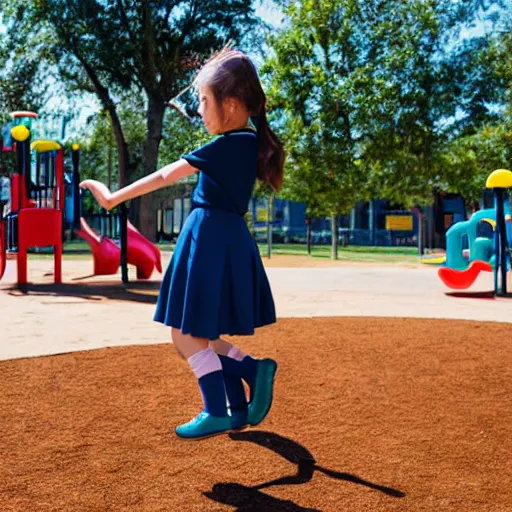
269 12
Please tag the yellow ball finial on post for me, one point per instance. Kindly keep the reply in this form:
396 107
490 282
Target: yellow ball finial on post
500 178
20 133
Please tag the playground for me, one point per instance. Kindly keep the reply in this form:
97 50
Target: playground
379 138
392 392
379 412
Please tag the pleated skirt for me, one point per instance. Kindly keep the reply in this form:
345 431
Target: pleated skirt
215 283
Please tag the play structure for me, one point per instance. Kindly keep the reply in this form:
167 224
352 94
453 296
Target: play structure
482 254
40 209
35 219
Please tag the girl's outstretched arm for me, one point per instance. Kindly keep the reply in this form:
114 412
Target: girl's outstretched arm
157 180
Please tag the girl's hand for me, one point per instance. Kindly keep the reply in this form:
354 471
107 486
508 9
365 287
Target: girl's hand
101 193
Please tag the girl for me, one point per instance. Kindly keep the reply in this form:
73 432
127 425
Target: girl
215 283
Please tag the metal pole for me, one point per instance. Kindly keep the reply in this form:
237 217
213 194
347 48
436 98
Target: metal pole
420 233
496 243
39 192
371 222
21 171
53 175
501 257
26 164
75 158
124 242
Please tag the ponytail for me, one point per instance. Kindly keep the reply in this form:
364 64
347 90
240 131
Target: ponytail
270 152
231 74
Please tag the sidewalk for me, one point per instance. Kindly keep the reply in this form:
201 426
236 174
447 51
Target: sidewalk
44 323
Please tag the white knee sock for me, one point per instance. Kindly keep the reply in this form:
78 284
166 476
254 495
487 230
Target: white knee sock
236 353
204 362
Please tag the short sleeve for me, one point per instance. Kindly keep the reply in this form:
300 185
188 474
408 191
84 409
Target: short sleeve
207 158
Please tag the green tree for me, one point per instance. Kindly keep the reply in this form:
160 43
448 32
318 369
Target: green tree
481 138
20 88
148 48
439 86
99 150
469 159
369 93
307 87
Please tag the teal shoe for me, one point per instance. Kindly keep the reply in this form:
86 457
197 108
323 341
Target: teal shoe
261 394
204 425
239 419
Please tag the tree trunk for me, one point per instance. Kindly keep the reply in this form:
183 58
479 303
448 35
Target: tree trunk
308 234
107 103
420 233
147 214
109 162
371 222
334 237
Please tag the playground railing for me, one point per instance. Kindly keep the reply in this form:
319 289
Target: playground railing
346 236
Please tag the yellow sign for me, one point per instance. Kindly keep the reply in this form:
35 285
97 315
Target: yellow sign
399 222
261 214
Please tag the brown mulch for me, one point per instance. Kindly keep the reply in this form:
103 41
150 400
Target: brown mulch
370 414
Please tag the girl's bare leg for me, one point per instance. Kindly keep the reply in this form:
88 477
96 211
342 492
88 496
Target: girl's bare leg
186 344
221 346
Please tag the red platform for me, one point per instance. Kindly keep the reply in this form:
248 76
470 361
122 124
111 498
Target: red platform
39 225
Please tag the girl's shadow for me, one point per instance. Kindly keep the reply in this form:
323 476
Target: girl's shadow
251 499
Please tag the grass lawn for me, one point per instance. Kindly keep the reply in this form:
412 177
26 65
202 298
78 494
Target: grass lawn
80 249
350 253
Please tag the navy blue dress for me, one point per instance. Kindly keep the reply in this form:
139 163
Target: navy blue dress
215 283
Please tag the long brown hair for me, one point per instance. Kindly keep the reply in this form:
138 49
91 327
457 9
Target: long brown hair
231 74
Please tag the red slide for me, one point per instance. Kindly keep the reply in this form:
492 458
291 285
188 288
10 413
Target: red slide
463 279
107 255
142 253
